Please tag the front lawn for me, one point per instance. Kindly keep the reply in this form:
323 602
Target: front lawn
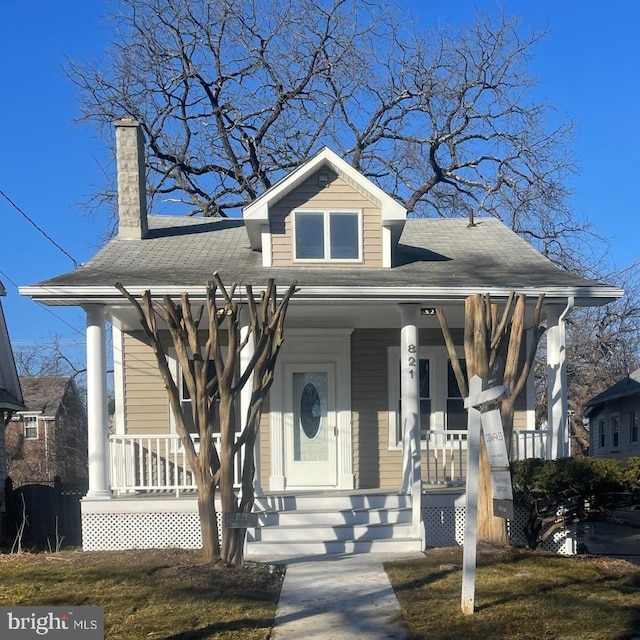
520 595
163 594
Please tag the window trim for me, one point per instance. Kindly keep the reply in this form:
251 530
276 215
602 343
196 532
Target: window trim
634 414
614 446
438 357
602 433
36 426
326 217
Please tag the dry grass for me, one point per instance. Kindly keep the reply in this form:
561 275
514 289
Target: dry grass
520 595
163 594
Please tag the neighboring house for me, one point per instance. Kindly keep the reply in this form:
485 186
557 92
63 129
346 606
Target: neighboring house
48 439
614 420
332 435
10 397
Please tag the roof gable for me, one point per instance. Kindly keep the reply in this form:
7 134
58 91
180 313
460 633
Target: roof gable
626 387
44 393
256 214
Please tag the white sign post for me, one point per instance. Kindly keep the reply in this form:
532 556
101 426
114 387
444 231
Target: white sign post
477 397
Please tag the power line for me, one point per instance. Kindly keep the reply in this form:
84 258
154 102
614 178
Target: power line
55 315
40 229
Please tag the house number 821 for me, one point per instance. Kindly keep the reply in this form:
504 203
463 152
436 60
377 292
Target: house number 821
412 359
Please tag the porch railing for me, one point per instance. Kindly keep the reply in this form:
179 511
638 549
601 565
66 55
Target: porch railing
444 459
158 463
155 463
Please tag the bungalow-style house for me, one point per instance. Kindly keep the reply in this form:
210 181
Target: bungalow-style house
48 438
363 356
614 420
10 399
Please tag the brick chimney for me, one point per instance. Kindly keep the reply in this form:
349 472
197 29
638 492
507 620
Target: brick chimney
132 195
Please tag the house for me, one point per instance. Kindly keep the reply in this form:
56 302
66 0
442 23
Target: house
10 398
48 438
331 440
614 420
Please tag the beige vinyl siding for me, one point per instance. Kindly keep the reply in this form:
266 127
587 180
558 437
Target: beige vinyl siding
338 195
376 464
265 445
145 399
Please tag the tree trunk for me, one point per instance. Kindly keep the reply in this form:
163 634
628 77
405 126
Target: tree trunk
208 520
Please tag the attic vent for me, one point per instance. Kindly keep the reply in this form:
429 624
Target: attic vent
323 180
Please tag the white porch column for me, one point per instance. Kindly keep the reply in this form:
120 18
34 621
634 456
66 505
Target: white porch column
410 394
97 414
557 411
245 394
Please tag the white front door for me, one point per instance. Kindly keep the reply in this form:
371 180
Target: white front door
310 428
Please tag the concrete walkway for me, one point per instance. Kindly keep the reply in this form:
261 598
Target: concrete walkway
339 597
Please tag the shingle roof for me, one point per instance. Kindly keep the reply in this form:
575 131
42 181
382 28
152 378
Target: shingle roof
43 393
435 252
625 387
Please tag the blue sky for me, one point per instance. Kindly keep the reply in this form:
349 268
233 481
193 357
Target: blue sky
587 68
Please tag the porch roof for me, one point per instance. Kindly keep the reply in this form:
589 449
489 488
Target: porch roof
443 254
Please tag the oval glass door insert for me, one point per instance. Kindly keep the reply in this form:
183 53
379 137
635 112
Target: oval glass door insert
310 410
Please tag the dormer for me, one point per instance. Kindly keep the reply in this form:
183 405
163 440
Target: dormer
325 213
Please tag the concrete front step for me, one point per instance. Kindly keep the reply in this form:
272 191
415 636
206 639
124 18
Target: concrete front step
328 533
331 501
396 545
327 523
331 517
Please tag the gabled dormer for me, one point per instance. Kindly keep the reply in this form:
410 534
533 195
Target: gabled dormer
325 213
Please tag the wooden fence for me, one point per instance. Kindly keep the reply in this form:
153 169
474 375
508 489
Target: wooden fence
51 514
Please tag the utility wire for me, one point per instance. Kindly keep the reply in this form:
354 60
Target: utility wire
55 315
40 229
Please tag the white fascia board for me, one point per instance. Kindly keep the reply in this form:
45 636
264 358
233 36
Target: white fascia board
584 296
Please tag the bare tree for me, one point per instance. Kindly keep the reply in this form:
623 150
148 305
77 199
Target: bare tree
603 346
494 346
232 95
50 357
214 382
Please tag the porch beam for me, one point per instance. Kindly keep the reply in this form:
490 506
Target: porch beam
97 413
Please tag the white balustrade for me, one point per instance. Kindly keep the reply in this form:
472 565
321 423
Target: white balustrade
155 463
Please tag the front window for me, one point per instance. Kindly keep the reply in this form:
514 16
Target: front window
615 432
456 413
634 421
30 427
441 403
601 434
327 235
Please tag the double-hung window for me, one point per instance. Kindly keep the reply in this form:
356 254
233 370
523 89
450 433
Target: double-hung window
634 427
30 427
441 403
615 431
327 235
602 434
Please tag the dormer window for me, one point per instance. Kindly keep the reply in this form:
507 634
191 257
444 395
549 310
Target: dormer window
327 235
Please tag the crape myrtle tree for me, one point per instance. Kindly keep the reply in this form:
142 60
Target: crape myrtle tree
233 95
495 348
200 334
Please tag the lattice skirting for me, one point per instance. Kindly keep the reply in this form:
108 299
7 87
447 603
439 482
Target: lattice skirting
117 531
444 527
147 529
